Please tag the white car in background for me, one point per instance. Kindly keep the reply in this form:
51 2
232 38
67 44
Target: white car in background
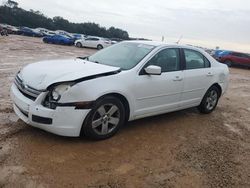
95 96
93 42
44 31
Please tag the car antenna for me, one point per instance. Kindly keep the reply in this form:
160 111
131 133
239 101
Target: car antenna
179 39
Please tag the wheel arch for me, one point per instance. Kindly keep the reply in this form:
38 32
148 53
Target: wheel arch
124 101
99 44
79 42
218 86
121 97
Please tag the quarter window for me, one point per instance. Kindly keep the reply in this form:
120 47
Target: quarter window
167 59
195 60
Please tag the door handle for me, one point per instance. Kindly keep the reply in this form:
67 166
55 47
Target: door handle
209 74
178 78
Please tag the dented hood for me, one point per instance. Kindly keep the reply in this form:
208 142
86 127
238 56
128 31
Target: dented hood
42 74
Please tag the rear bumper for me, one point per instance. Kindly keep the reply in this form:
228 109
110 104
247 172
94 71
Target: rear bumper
64 121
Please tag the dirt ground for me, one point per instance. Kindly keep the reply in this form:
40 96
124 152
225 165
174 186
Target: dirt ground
181 149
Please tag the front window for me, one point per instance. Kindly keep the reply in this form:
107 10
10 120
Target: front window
125 55
168 59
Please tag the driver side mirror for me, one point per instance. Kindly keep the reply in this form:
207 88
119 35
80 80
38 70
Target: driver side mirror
153 70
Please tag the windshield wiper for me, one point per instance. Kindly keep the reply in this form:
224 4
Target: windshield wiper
83 58
87 58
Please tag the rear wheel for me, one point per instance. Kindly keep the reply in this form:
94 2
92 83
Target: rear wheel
210 100
79 45
105 119
99 47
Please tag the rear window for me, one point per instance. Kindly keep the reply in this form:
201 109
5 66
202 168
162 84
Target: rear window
195 60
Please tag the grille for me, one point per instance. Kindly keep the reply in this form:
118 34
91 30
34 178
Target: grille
26 90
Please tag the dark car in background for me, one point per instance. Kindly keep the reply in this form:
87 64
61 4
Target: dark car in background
12 29
3 31
29 32
235 58
59 39
9 29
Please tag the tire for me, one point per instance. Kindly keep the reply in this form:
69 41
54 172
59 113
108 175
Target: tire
210 100
229 63
105 119
99 47
79 45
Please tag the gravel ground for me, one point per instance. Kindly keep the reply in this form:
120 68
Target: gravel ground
180 149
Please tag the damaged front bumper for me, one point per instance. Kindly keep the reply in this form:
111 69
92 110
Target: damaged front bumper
64 120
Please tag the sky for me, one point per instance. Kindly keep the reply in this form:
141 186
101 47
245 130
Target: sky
208 23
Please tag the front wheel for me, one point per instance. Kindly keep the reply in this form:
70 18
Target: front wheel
210 100
105 119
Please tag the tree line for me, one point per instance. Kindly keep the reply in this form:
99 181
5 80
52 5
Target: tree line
11 14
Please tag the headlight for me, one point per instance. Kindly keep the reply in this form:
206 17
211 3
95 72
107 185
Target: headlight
54 95
59 90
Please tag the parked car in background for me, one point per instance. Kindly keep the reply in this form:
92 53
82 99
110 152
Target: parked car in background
59 39
3 31
61 32
77 36
50 33
93 42
116 39
45 32
221 54
235 58
216 53
10 29
29 32
96 95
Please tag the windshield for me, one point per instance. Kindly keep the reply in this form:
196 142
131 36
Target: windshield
125 55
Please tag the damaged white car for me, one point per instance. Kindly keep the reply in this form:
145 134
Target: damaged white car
94 96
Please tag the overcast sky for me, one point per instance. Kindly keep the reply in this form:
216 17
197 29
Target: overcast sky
224 23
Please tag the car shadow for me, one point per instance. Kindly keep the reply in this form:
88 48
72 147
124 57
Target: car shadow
137 126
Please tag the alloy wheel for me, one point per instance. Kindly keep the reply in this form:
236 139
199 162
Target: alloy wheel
105 119
211 100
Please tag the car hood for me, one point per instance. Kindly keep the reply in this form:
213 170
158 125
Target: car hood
42 74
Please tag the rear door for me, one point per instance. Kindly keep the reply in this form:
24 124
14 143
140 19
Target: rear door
198 77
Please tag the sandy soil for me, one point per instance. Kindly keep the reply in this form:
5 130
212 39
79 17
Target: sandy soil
181 149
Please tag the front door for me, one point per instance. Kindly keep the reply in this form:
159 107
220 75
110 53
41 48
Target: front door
155 94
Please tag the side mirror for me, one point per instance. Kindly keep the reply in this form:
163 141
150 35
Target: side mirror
153 70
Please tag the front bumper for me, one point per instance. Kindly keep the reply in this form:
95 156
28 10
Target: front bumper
64 121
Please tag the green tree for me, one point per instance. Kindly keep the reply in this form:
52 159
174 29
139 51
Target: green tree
11 14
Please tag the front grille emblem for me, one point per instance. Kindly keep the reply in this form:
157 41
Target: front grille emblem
23 86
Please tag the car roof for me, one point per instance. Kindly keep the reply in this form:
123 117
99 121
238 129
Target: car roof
162 44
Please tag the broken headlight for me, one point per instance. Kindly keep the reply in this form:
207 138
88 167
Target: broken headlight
54 95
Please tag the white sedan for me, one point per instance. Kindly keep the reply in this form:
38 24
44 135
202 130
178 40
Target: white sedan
95 96
93 42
